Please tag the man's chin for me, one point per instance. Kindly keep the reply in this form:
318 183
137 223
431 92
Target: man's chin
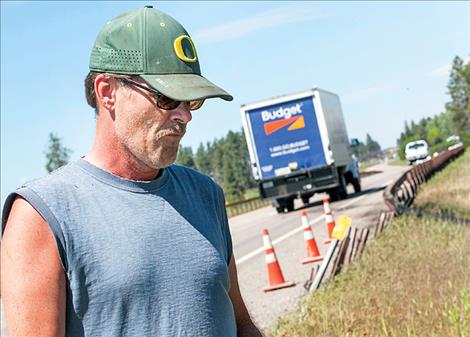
164 160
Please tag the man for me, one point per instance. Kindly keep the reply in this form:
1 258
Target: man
121 242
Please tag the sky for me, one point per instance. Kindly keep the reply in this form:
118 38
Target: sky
388 62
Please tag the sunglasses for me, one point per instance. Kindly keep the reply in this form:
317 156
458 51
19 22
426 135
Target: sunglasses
164 102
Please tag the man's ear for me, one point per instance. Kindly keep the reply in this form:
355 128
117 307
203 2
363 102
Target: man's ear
105 91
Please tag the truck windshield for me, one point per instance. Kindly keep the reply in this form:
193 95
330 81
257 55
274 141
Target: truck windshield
415 146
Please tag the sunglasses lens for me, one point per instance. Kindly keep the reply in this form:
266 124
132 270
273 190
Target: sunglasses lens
194 105
164 102
167 103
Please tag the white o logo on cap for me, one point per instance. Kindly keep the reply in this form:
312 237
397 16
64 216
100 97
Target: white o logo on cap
178 45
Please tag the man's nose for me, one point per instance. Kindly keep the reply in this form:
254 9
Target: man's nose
182 113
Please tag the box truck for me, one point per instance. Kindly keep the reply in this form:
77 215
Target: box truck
298 146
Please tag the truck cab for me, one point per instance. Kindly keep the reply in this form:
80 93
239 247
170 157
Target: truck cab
416 150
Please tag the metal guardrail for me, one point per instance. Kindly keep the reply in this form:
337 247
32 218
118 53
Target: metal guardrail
400 195
243 206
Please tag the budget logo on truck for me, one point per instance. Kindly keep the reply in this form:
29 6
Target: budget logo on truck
282 117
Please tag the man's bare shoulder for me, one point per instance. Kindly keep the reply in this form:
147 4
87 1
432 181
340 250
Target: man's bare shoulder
26 228
33 281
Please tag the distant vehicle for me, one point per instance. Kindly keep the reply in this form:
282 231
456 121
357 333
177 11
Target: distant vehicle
453 139
416 150
298 146
453 142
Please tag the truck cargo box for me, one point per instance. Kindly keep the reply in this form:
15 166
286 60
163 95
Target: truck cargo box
296 132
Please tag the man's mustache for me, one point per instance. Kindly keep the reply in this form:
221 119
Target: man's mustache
179 129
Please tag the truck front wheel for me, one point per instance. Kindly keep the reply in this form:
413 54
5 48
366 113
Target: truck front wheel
290 205
340 192
306 197
280 209
283 204
357 185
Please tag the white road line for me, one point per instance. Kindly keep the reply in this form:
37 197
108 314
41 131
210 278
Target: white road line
280 239
249 256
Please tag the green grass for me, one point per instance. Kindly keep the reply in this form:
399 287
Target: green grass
363 165
449 190
398 162
252 193
414 280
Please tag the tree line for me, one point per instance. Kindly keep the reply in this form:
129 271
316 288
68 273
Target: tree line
226 160
368 149
454 120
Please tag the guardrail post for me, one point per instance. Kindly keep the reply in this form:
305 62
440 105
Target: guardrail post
352 244
362 243
421 174
324 266
341 254
414 183
409 193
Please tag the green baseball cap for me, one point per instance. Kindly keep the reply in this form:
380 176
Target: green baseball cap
151 44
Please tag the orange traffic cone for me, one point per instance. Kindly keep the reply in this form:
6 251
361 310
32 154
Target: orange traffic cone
326 204
313 255
330 225
330 221
275 277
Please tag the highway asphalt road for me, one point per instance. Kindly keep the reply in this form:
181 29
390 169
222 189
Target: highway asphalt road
287 237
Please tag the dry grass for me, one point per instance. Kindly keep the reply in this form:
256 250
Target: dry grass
449 190
414 280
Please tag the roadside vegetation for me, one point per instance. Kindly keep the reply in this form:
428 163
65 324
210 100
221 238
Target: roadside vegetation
449 190
454 120
413 280
364 165
398 162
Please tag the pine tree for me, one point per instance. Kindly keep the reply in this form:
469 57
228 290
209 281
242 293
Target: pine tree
408 129
217 160
244 163
459 91
372 145
57 154
202 159
185 156
233 184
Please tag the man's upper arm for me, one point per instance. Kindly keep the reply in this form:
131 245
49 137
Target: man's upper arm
245 326
32 277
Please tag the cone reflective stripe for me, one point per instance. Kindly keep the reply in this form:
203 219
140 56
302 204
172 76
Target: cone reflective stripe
313 255
308 235
326 205
266 240
270 258
330 225
275 277
269 254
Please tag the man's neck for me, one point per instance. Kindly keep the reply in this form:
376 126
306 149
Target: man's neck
111 156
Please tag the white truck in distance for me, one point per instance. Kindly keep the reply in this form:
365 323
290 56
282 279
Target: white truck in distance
298 146
416 150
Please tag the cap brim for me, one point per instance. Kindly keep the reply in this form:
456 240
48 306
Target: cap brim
185 87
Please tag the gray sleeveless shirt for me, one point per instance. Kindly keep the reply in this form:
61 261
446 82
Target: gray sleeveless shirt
141 258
